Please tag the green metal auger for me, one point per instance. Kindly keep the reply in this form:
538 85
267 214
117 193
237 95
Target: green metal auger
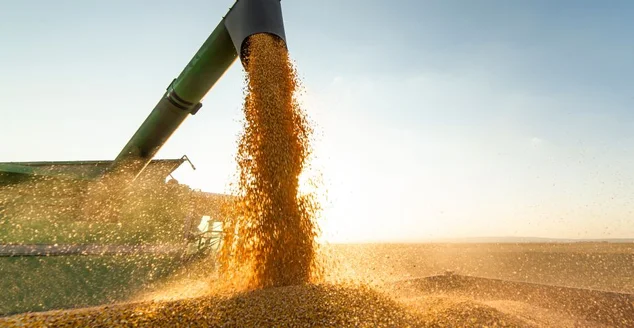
183 96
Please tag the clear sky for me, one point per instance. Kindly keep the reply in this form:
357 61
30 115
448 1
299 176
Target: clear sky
437 118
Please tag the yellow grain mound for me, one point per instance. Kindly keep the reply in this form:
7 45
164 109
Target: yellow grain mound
293 306
438 311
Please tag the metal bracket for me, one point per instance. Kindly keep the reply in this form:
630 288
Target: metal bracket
180 103
188 161
195 109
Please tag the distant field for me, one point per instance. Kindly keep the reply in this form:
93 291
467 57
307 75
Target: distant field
603 266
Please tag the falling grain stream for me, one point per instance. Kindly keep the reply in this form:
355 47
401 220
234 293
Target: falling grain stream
271 230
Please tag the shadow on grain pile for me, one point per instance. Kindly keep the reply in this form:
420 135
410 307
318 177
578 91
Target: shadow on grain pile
295 306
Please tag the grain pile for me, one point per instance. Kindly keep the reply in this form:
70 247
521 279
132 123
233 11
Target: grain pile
442 311
291 306
270 231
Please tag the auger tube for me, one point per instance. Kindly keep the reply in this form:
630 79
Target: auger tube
183 96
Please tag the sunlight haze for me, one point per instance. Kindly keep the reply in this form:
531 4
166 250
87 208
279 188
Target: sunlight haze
432 122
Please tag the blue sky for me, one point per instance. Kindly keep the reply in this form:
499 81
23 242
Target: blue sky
436 118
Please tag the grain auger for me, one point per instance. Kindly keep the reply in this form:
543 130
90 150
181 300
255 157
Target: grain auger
135 164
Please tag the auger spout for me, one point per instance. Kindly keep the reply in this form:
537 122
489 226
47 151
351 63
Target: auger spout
183 96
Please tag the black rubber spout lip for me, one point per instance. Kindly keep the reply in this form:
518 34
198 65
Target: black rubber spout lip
249 17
